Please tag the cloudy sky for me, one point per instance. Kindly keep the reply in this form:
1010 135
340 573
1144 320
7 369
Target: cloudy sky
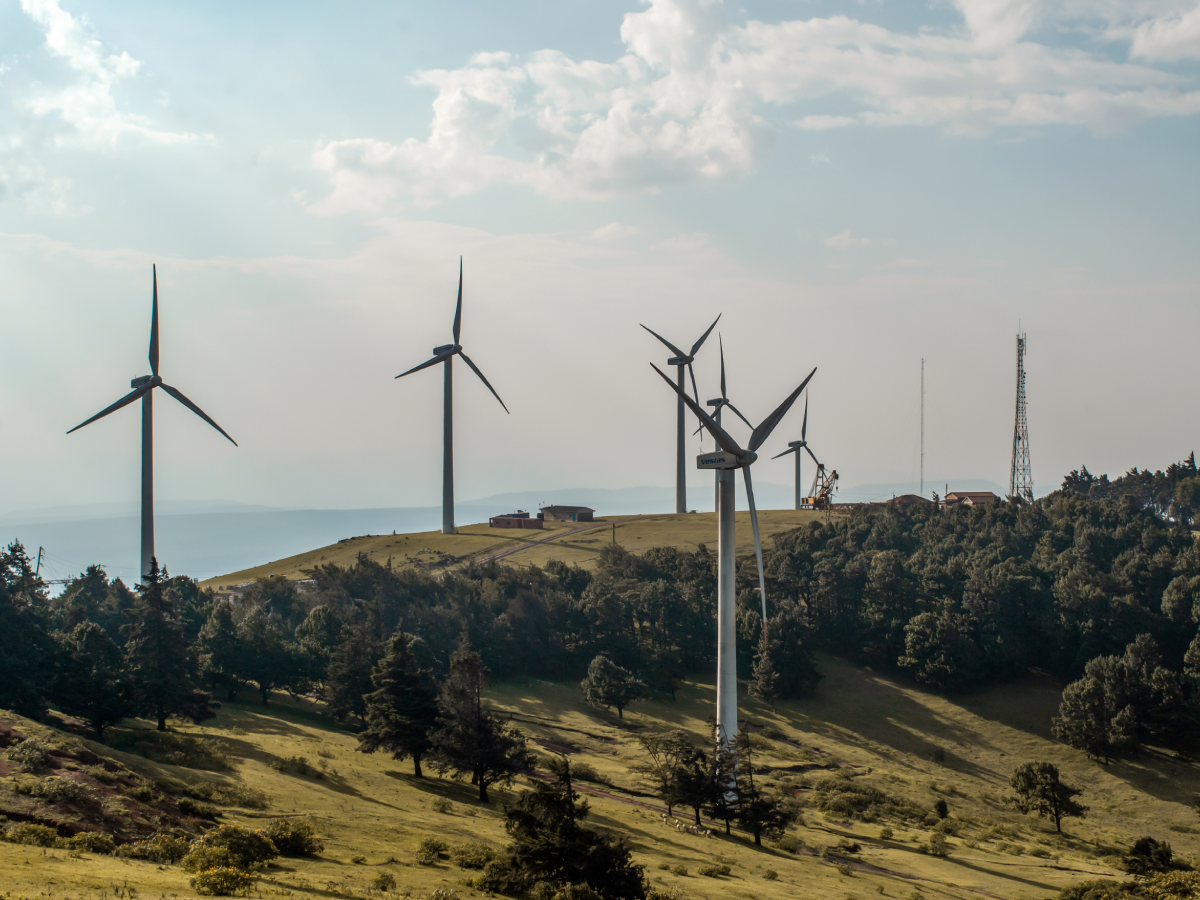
854 186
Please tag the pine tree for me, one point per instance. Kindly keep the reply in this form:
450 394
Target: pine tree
25 647
470 740
608 685
721 780
764 680
758 812
266 659
348 677
92 684
1038 790
220 651
403 709
550 844
158 659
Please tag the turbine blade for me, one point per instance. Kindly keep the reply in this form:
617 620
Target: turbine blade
704 337
437 359
813 455
670 346
724 396
785 452
740 416
458 309
154 325
762 582
804 427
728 444
695 392
763 431
124 401
475 369
197 410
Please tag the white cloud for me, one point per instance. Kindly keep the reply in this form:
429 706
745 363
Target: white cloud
615 231
846 240
694 94
87 104
909 264
819 158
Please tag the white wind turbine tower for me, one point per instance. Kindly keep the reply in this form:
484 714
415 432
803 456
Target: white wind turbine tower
445 354
723 462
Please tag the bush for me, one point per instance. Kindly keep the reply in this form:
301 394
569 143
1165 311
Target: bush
472 856
190 807
886 833
56 789
296 765
434 847
31 755
843 797
161 848
715 871
1147 856
789 843
222 882
293 838
661 893
937 845
90 842
246 848
941 809
30 834
770 875
101 774
845 846
202 858
228 794
384 881
168 747
442 805
680 870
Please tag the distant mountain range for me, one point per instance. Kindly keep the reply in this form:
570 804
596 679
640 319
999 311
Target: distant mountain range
203 538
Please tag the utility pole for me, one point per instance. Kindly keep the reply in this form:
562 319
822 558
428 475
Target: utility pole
1020 481
922 426
38 568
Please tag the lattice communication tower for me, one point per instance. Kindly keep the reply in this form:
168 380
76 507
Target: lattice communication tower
1020 483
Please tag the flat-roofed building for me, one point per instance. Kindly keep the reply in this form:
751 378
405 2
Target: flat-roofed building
518 519
566 513
969 498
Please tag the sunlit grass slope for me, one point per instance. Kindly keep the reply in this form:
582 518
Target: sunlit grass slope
874 729
568 541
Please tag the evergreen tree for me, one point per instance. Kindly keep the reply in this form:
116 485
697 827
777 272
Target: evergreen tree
220 651
721 779
470 740
83 600
266 657
551 845
157 657
608 685
91 683
764 680
757 812
1038 790
25 647
348 677
402 711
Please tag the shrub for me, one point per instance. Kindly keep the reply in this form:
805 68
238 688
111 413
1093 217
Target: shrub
442 805
296 765
947 826
846 846
938 846
384 881
101 774
56 789
359 860
142 792
770 875
664 893
842 796
886 833
228 794
202 858
169 747
31 755
942 809
33 835
444 894
1147 856
293 837
845 870
472 856
715 871
91 842
190 807
222 882
246 848
432 846
161 848
680 870
789 843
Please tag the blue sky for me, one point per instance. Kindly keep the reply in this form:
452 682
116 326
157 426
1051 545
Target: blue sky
854 186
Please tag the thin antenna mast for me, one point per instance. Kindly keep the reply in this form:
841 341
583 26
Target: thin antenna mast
922 426
1020 481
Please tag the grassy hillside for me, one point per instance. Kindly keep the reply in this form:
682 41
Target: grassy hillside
568 541
865 728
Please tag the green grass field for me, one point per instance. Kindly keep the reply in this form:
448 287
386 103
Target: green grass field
872 728
568 541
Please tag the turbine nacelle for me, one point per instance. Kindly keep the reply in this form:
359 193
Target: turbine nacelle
796 445
447 350
142 380
681 360
723 459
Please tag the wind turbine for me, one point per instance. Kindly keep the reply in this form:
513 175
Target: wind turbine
729 457
143 387
445 354
718 404
795 447
680 360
